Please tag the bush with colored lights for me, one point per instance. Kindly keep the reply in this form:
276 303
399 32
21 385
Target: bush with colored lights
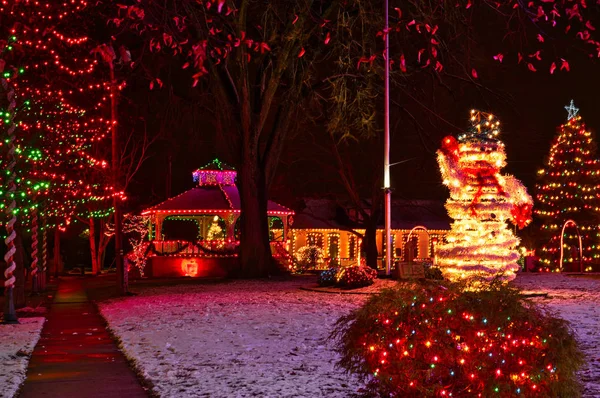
348 277
354 277
435 340
307 257
328 277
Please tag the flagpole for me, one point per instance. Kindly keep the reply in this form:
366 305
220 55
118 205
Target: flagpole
386 151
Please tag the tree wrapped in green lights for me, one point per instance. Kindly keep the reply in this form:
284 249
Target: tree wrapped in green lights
568 201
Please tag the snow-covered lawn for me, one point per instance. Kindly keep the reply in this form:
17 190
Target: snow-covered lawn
239 339
16 345
576 299
270 339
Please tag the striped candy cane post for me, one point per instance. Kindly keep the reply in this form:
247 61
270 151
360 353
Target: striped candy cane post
44 254
10 316
34 252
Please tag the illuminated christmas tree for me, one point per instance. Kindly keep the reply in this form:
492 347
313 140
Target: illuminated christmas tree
215 232
480 245
568 188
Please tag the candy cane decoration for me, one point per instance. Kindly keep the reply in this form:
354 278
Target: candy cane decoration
9 283
34 250
44 253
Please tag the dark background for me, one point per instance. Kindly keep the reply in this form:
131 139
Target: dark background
530 107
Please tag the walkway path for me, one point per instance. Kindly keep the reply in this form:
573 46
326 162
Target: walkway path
75 356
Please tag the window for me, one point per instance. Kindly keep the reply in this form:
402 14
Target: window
352 247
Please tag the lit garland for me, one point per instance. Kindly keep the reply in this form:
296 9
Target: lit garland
480 247
569 188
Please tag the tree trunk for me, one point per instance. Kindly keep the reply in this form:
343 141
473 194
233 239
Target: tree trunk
169 176
370 243
93 250
122 281
255 252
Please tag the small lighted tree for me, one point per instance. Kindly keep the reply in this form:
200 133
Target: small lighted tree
480 246
215 232
136 229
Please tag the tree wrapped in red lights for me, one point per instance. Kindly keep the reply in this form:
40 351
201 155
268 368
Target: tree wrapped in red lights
568 188
47 62
437 341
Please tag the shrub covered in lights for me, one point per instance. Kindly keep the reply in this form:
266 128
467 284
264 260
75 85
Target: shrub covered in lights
348 277
328 277
358 276
436 341
307 257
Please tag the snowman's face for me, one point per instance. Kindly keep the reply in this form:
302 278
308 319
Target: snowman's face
490 152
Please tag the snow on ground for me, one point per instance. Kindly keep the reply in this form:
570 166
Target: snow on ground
577 300
270 339
239 339
16 345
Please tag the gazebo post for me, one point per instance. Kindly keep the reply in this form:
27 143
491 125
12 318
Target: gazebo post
231 221
285 228
158 231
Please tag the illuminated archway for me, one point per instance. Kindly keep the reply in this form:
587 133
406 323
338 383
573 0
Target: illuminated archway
562 235
419 227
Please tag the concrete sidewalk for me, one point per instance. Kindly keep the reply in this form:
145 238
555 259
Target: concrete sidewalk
75 356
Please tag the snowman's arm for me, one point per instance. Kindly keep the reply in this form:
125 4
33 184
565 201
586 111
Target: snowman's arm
451 174
516 191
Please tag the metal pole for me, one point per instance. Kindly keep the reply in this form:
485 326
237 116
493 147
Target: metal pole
386 151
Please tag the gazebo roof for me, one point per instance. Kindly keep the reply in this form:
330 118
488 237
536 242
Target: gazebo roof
210 199
216 192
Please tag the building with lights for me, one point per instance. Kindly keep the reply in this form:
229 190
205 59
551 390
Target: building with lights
197 233
338 231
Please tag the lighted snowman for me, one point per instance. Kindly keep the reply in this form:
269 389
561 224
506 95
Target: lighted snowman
480 245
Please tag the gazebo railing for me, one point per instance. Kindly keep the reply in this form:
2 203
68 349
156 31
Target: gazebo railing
209 248
197 248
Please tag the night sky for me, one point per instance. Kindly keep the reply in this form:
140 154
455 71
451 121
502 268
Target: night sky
529 105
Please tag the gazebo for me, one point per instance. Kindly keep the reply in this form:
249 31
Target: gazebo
196 233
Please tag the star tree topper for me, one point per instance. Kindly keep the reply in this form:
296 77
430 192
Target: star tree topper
572 110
